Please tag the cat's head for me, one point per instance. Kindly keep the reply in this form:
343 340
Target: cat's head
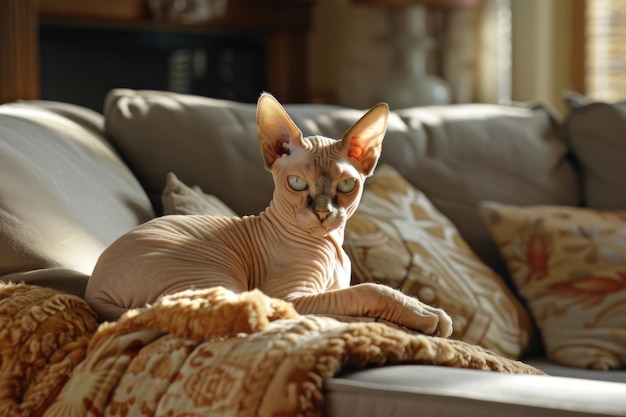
318 181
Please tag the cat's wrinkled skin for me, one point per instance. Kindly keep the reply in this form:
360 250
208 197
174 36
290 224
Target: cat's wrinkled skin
292 250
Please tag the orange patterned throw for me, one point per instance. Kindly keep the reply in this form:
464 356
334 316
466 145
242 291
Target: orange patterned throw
570 265
202 352
43 336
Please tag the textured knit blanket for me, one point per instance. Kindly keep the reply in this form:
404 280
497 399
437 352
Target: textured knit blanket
196 353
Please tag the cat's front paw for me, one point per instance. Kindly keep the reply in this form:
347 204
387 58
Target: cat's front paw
408 311
429 320
444 326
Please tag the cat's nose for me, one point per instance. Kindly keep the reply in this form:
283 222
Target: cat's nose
322 214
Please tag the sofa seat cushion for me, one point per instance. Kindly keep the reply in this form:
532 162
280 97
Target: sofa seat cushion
450 153
65 195
411 390
554 369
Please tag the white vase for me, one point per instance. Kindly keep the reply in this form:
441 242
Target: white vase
408 83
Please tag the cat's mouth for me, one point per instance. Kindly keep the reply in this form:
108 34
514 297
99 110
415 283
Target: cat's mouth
320 231
323 228
319 225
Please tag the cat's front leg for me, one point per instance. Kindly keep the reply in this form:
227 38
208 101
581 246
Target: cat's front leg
377 301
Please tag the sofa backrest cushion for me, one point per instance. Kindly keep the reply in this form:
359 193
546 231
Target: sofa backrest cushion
457 155
208 142
597 133
462 155
64 193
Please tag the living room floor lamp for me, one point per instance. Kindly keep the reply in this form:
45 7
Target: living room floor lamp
409 83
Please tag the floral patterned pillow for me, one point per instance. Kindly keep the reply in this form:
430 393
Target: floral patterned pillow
569 264
398 238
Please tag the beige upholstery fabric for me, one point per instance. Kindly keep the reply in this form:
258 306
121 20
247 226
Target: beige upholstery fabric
461 155
411 390
450 153
206 142
65 194
597 134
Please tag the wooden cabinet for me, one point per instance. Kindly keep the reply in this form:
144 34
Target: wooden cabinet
272 35
19 63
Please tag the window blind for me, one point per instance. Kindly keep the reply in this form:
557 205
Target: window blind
605 44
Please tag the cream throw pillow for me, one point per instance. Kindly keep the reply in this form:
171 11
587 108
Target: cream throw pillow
178 198
398 238
569 264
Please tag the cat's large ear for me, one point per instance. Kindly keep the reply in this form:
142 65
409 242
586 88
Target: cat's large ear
277 132
363 142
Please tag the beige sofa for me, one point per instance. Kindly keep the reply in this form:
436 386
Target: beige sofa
507 217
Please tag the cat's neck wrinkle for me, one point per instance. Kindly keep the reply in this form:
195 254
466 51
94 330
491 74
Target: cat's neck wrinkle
321 261
287 227
284 224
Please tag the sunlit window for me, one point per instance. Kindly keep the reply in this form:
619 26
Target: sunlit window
605 62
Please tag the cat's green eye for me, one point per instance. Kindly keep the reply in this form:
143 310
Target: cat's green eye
297 183
346 185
